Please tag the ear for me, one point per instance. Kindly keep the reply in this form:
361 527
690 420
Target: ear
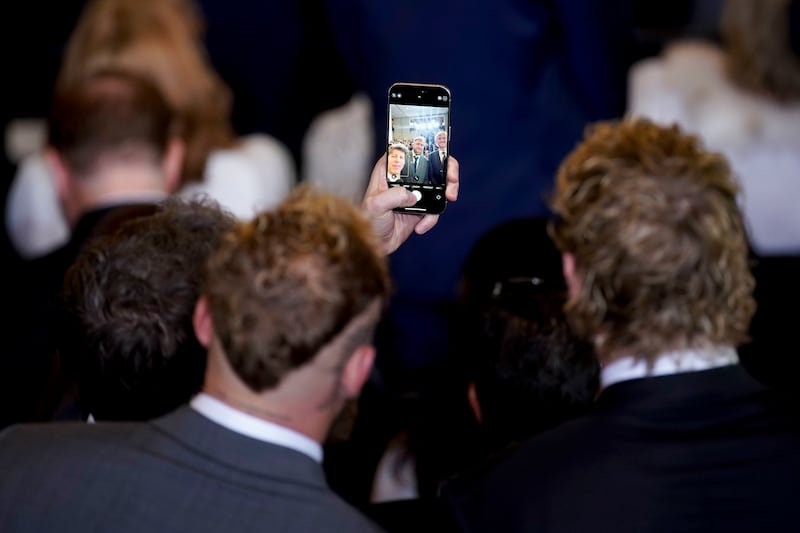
474 403
60 172
570 276
357 369
201 320
172 165
65 184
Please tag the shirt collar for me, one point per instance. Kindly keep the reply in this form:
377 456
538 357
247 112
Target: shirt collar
254 427
630 367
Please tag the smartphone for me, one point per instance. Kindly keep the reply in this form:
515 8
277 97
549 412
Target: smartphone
418 143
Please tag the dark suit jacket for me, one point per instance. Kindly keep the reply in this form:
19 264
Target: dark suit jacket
180 472
701 451
438 172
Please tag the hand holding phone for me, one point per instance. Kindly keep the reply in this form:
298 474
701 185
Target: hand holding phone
393 226
418 143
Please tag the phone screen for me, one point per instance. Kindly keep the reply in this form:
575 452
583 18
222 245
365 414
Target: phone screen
418 143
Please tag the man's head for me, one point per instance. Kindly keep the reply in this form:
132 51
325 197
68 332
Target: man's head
291 302
162 41
441 140
514 338
529 371
396 158
418 145
130 299
109 122
655 248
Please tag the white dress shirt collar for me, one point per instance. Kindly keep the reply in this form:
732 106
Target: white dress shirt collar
629 367
254 427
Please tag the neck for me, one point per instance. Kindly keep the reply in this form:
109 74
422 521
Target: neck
252 405
116 185
304 413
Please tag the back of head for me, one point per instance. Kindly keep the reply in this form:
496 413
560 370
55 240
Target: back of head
161 41
659 246
509 258
758 37
531 372
110 115
399 147
289 282
129 301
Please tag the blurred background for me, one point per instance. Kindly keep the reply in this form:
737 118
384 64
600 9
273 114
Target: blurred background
526 77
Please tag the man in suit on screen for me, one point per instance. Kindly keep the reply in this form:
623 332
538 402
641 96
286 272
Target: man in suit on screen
438 159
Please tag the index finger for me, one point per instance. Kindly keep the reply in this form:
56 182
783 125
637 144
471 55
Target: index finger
451 192
377 180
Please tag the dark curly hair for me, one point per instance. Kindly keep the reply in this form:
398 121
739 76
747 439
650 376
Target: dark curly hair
129 301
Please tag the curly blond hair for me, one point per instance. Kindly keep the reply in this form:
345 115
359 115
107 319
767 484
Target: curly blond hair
652 221
290 281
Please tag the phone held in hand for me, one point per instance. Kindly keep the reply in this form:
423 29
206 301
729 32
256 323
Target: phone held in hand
418 143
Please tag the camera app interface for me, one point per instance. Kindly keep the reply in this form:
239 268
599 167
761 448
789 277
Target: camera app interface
418 138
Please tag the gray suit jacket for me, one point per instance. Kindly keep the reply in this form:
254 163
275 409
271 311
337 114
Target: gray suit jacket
181 472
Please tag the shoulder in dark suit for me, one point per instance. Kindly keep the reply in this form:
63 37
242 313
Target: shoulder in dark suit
438 168
701 451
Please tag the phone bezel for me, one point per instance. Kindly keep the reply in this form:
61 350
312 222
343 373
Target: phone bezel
432 195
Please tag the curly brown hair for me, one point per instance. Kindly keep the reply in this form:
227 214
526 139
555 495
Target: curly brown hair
289 282
652 221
